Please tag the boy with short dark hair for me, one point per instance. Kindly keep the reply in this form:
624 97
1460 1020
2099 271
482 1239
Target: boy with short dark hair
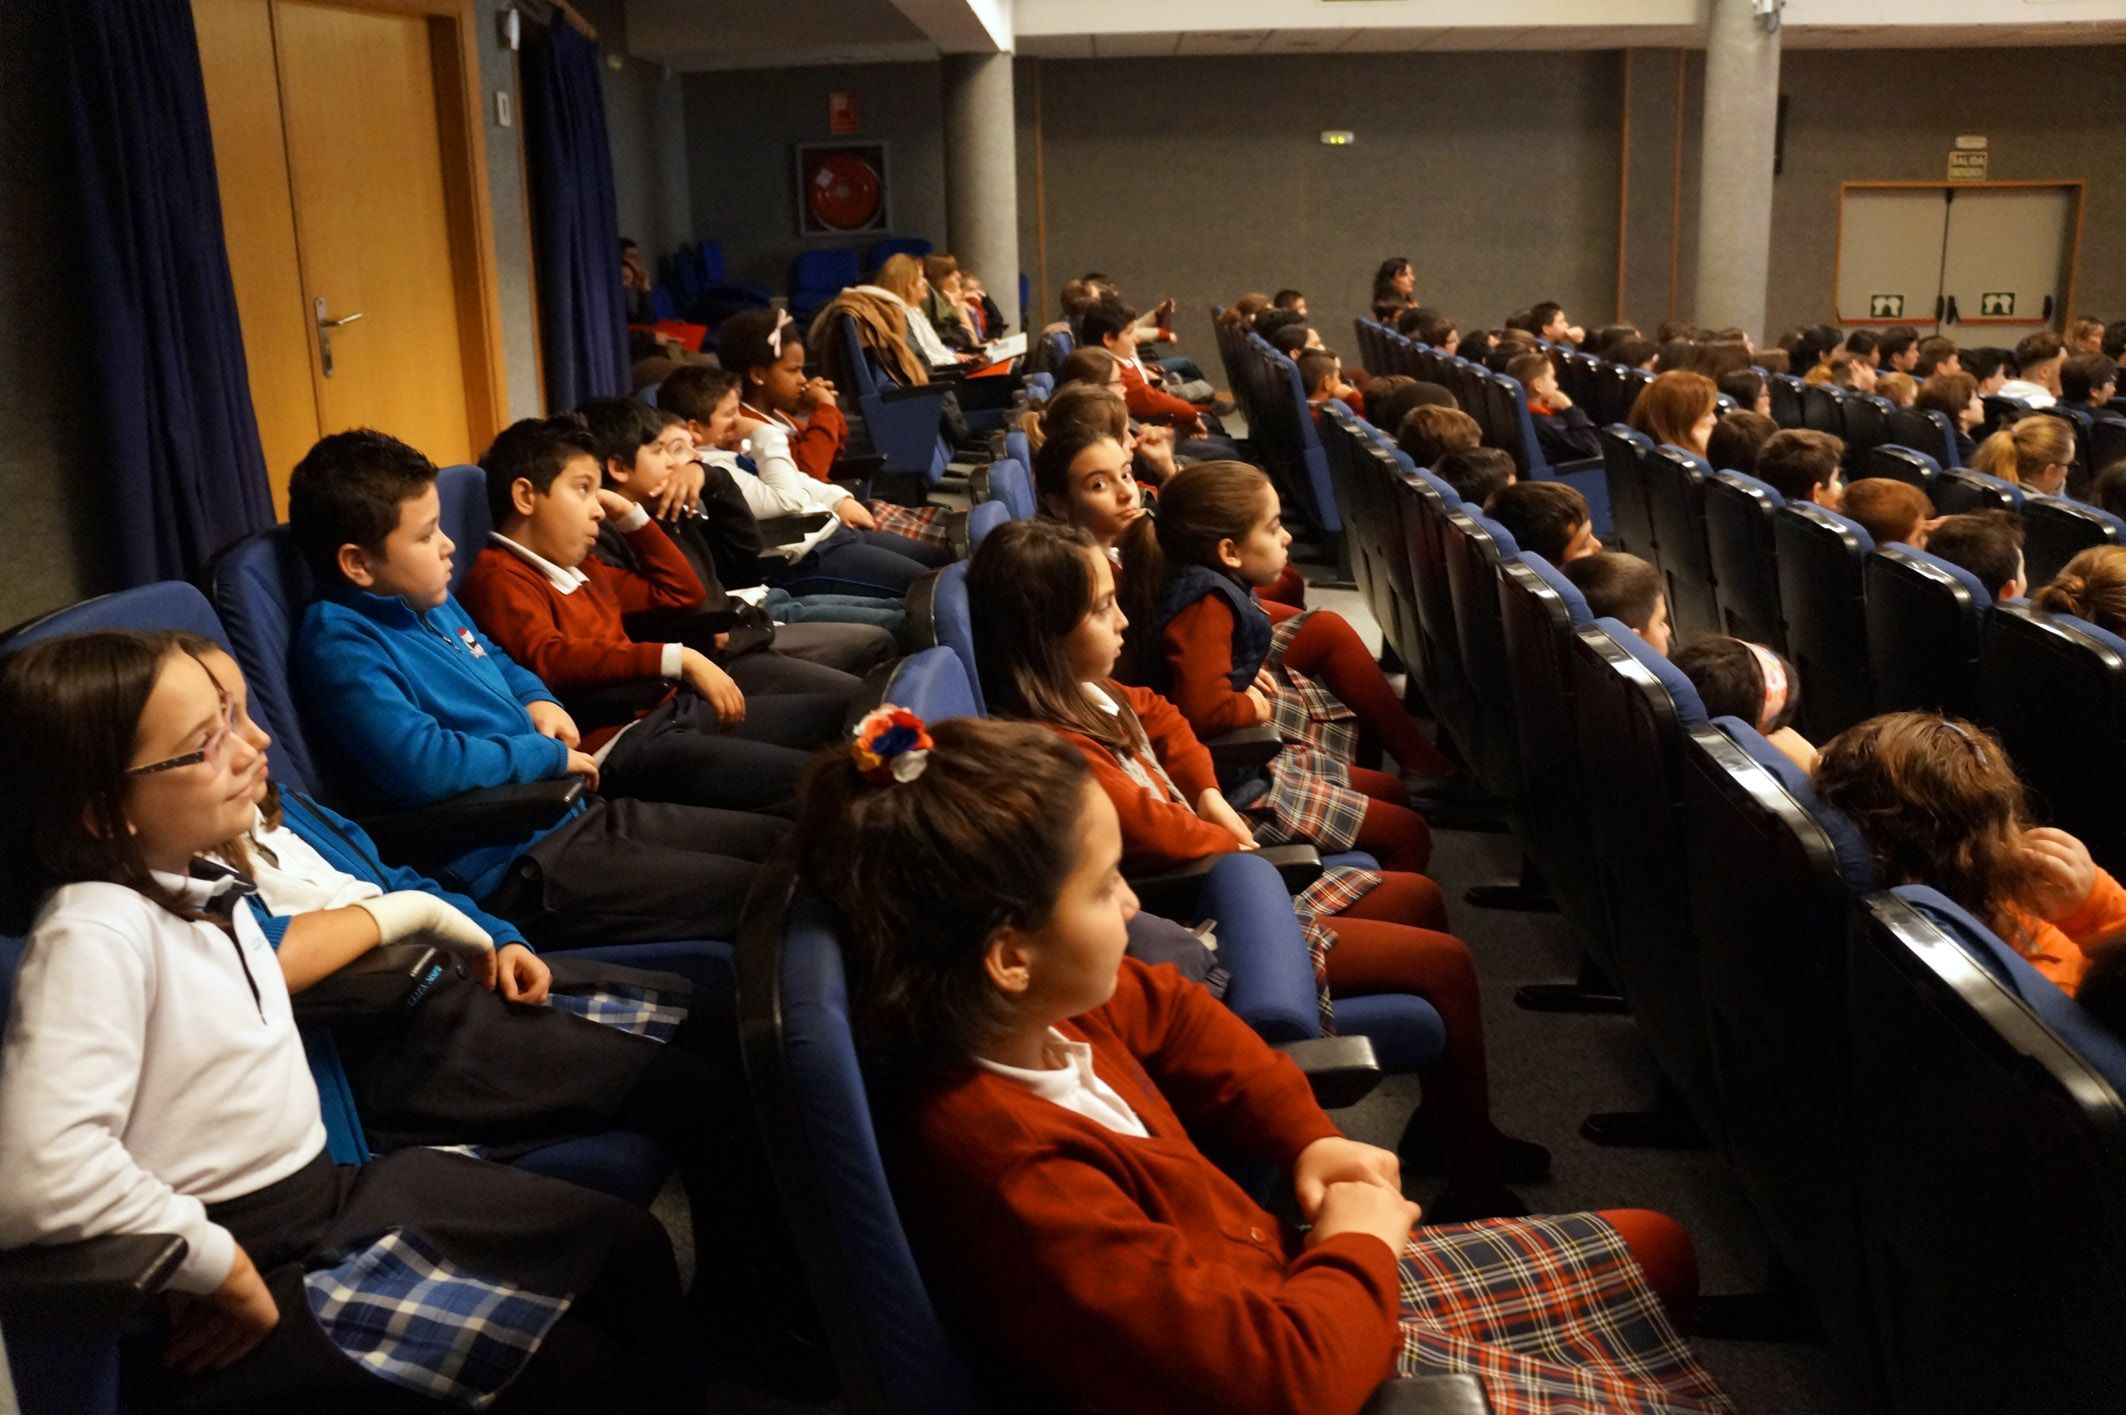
2088 381
1801 464
1290 300
1476 473
2038 358
1430 327
1989 544
1321 375
1430 432
417 707
1562 430
1625 588
1937 354
1548 518
1897 351
1111 325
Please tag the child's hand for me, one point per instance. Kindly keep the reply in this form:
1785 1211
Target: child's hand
682 494
550 719
1364 1207
1261 703
612 503
414 913
581 764
818 392
715 687
854 514
1213 807
1336 1160
2063 874
1266 682
220 1329
1558 401
522 974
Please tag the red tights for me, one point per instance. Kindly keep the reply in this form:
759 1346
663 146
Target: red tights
1327 648
1664 1253
1391 832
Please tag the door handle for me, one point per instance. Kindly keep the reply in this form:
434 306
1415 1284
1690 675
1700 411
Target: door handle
325 326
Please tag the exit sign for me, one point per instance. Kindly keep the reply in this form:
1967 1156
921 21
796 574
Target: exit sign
1997 303
1886 307
1968 166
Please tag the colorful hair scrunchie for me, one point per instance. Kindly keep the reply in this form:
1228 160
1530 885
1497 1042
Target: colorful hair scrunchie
890 745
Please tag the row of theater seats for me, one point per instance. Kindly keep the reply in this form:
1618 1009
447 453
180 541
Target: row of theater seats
1265 386
1929 1131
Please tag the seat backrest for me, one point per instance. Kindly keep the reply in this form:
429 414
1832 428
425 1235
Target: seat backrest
1967 1101
1341 444
2001 411
889 1346
983 519
1631 517
1924 430
1422 503
1823 408
466 520
1820 555
1773 879
886 247
2055 530
1675 495
1634 710
1476 548
2079 470
934 685
1019 449
1011 484
1925 616
1958 489
824 272
1785 392
1867 426
1738 538
2055 691
1905 464
954 625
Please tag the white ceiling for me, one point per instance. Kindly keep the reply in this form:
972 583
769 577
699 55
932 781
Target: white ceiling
1161 44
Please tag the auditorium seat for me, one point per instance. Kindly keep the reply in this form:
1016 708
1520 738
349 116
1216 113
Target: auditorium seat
1987 1122
1515 433
1380 468
1745 562
1009 483
2079 471
1282 429
2001 411
1426 502
1675 495
1785 390
2056 690
1631 523
1867 426
2055 530
1476 548
816 277
1820 554
1369 534
1823 408
1906 464
1958 489
981 520
905 424
1634 709
1774 879
1925 618
1925 430
1620 388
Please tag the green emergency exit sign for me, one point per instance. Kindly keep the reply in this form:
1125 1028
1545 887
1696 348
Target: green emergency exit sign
1997 302
1886 306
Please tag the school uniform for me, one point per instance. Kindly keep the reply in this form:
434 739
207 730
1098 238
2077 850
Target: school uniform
816 445
154 1082
652 741
1072 1222
1567 436
417 706
2035 394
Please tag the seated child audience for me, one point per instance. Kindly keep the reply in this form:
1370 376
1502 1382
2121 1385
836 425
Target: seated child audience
1290 300
1897 351
1989 544
1751 390
2108 489
1635 351
1563 430
1546 518
155 1083
1430 432
1735 678
1937 354
2088 381
1990 366
1477 473
1891 512
1852 372
1899 388
976 1009
663 721
1678 409
2091 586
1150 449
2085 335
1625 588
2038 359
1867 344
1111 325
1736 440
1940 805
1801 464
1955 396
1393 404
413 706
1321 375
1475 346
2034 453
1229 659
1430 327
1292 338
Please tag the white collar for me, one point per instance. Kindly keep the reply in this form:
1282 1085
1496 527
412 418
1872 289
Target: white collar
564 581
1102 699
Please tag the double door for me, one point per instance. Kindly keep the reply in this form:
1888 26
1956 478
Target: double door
1995 257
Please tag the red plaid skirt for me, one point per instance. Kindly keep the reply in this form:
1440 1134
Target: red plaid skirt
1310 800
1337 890
923 523
1552 1315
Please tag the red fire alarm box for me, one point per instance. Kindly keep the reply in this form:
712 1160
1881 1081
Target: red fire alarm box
842 118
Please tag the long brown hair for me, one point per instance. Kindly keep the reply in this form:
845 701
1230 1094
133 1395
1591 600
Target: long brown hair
1939 805
1029 586
1081 405
1199 506
997 812
72 707
1669 407
1088 363
2091 586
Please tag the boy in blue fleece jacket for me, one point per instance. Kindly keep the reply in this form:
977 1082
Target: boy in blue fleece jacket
417 706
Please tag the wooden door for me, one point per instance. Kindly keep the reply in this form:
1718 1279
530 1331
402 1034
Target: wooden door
1889 255
2008 259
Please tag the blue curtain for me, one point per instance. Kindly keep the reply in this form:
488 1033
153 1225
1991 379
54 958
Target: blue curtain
167 365
575 220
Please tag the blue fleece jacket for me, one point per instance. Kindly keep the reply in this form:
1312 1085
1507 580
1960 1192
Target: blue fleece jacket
422 707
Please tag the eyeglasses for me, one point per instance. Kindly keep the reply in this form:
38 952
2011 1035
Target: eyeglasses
213 753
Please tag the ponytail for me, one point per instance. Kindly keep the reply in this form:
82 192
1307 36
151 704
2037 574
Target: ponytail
1139 588
2092 586
2019 452
1996 456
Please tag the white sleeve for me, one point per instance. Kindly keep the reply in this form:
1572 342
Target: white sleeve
781 476
73 1054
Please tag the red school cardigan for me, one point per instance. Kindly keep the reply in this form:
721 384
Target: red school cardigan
1198 644
1156 832
1132 1275
815 443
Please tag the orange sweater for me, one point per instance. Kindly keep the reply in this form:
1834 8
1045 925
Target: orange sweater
1157 832
1130 1275
816 442
2055 947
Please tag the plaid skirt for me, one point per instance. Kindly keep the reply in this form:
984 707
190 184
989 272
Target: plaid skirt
924 523
1551 1315
1337 890
1310 800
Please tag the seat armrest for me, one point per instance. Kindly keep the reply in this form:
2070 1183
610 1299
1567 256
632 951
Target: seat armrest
1341 1070
90 1286
789 530
910 392
1459 1394
1298 865
492 815
1172 892
857 466
1583 464
1244 749
957 534
373 984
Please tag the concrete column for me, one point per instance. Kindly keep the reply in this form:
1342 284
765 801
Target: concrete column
982 173
1735 167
